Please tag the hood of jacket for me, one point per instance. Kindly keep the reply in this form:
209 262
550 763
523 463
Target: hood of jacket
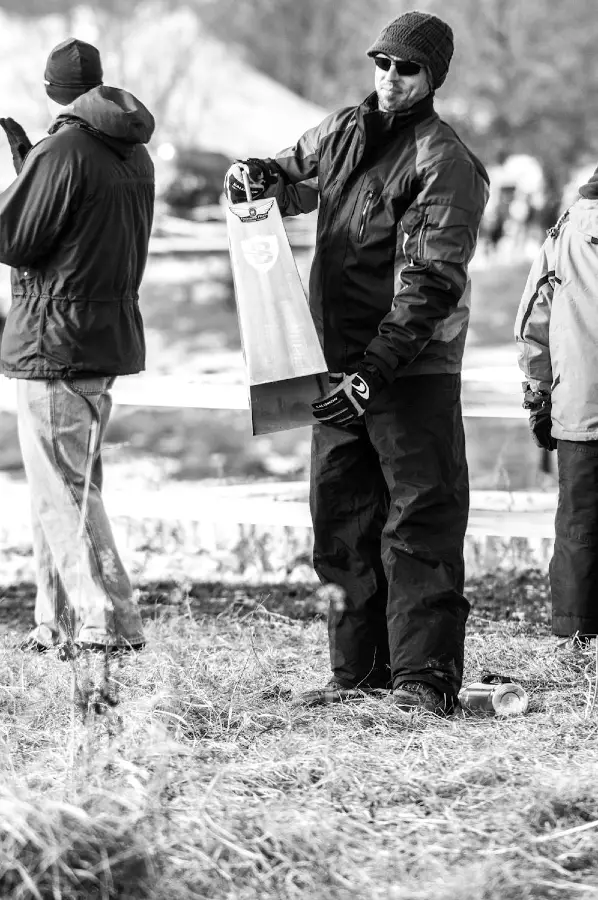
583 216
114 115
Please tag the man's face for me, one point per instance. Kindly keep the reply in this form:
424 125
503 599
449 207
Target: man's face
397 92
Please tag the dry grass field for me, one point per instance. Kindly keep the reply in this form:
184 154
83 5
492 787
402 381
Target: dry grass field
188 772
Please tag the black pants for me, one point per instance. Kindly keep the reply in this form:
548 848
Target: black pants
574 565
389 501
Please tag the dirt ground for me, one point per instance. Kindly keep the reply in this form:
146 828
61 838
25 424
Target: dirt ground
520 599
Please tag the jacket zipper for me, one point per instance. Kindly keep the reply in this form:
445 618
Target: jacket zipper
334 211
366 208
422 234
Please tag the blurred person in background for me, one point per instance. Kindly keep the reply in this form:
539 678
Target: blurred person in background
75 227
556 332
400 202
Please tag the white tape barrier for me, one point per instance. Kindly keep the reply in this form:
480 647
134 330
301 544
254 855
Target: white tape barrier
158 391
173 392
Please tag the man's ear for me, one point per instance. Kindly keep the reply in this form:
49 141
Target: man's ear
430 81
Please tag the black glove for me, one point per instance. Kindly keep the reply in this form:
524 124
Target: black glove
348 399
540 423
19 143
540 417
260 179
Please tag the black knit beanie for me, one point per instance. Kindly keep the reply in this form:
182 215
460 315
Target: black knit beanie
73 68
419 37
590 189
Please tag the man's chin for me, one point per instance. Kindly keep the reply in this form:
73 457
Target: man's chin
392 103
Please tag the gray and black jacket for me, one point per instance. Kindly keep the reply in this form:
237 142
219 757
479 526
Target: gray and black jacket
556 329
75 228
400 202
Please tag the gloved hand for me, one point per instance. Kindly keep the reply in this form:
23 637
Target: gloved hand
260 179
19 143
540 423
347 401
540 417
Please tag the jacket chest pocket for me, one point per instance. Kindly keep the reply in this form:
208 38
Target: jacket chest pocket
365 215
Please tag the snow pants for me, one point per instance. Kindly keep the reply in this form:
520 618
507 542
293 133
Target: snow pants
574 564
389 501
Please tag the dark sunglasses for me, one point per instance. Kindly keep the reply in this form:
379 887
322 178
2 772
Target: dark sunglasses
403 67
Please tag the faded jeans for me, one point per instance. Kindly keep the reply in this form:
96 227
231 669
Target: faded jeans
83 591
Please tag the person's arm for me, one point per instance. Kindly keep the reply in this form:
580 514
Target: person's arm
291 177
533 320
296 189
438 235
532 327
36 207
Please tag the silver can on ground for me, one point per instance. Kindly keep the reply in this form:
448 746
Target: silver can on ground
493 697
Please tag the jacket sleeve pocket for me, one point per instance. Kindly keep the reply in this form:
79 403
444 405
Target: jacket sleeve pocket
444 233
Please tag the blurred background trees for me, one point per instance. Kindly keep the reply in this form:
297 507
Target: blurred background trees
522 81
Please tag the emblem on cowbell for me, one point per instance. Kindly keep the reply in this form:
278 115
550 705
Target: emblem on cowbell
249 213
261 252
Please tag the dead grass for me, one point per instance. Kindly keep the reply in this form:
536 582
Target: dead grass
203 780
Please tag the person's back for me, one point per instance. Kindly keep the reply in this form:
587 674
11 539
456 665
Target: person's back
75 226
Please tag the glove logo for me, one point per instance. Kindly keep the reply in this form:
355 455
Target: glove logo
360 387
261 252
252 213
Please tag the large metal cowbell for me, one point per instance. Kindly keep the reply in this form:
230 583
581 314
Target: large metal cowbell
284 362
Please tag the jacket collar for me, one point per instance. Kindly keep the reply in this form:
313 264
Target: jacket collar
421 110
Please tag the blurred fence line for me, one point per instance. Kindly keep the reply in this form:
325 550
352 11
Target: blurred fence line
521 515
171 391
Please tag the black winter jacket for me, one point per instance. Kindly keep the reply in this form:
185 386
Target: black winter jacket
401 198
75 227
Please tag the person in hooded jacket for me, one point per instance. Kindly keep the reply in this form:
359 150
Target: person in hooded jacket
400 202
75 227
556 336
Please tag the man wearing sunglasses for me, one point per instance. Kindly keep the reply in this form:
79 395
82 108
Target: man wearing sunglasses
400 201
